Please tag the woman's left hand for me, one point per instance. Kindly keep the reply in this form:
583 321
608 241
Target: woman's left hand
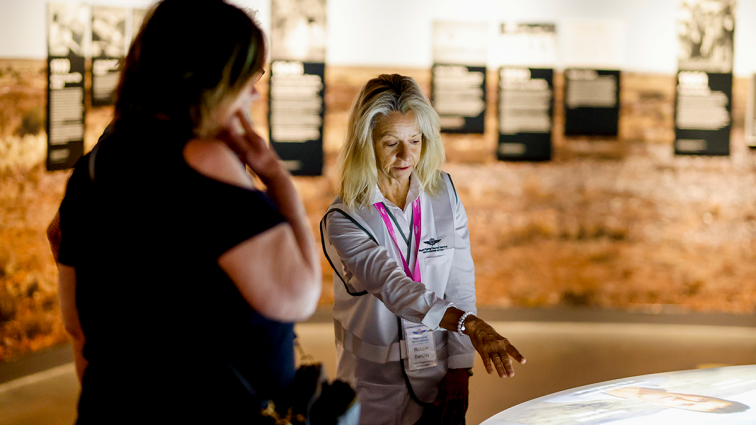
453 395
252 149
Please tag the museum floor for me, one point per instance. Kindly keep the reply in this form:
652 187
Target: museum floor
564 348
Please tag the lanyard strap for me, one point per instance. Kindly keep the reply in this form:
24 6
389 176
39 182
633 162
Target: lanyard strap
416 226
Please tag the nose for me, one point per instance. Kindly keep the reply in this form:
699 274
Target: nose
403 150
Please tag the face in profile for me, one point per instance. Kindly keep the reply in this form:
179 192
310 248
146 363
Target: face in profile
662 398
242 101
398 142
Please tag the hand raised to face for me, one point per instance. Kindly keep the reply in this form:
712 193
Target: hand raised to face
252 149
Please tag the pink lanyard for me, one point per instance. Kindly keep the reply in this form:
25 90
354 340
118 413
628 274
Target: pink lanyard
417 225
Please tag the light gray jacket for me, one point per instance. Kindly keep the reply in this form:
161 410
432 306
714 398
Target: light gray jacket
372 292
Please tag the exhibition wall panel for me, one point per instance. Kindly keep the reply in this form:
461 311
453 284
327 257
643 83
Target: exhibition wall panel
364 33
609 222
612 221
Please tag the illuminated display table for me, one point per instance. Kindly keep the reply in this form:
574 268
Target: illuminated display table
725 395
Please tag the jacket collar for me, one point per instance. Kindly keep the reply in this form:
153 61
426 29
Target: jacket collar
415 190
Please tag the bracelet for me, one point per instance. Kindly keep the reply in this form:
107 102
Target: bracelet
461 324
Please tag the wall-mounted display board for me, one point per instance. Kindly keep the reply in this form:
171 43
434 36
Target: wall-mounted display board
591 102
750 121
526 111
526 54
109 44
703 104
458 77
702 113
296 101
66 27
296 114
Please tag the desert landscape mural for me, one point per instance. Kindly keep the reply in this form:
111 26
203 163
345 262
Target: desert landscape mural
612 223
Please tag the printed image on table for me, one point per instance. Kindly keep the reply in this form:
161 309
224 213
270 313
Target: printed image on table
706 396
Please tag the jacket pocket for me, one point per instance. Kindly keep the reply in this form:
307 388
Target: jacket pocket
380 404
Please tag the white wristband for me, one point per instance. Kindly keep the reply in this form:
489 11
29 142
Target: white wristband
461 324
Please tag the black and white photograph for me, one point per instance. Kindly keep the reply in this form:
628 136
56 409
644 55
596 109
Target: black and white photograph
526 44
108 32
705 30
298 30
460 43
594 43
67 24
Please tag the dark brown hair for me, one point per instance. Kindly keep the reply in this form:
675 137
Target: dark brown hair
186 59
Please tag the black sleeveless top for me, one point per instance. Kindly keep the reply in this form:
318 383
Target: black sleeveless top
168 334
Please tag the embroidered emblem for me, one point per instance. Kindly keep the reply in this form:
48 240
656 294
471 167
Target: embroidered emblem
432 241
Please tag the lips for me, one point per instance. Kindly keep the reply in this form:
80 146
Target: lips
403 168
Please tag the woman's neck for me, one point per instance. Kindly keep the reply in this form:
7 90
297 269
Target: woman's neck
395 190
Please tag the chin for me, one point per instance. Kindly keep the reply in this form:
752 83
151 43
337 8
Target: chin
400 175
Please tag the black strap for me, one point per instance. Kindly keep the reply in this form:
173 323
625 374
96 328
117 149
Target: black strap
325 251
396 223
250 389
453 188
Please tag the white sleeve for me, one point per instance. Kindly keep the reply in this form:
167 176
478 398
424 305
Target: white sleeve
382 276
460 289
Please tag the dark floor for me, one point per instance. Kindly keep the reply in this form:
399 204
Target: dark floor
564 348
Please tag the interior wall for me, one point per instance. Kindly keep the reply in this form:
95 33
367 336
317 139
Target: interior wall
609 223
397 33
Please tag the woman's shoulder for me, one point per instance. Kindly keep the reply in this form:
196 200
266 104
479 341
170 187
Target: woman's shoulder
214 159
444 186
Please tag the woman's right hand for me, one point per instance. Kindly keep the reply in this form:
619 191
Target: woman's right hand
252 149
494 349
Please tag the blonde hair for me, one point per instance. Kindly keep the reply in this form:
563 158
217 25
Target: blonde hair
358 173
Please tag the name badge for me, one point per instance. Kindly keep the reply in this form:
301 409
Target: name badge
421 348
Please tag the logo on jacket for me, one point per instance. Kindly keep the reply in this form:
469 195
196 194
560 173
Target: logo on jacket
432 241
433 246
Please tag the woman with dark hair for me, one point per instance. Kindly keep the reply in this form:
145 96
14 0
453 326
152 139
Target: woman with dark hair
179 280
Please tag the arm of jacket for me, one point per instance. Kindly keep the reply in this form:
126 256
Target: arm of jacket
382 276
460 290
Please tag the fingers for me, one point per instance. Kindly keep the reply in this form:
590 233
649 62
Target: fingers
246 121
498 358
487 363
512 351
503 365
242 138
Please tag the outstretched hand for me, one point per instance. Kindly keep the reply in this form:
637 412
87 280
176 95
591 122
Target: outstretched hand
494 349
252 149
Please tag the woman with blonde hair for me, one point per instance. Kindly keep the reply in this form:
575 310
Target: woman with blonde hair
179 279
404 281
